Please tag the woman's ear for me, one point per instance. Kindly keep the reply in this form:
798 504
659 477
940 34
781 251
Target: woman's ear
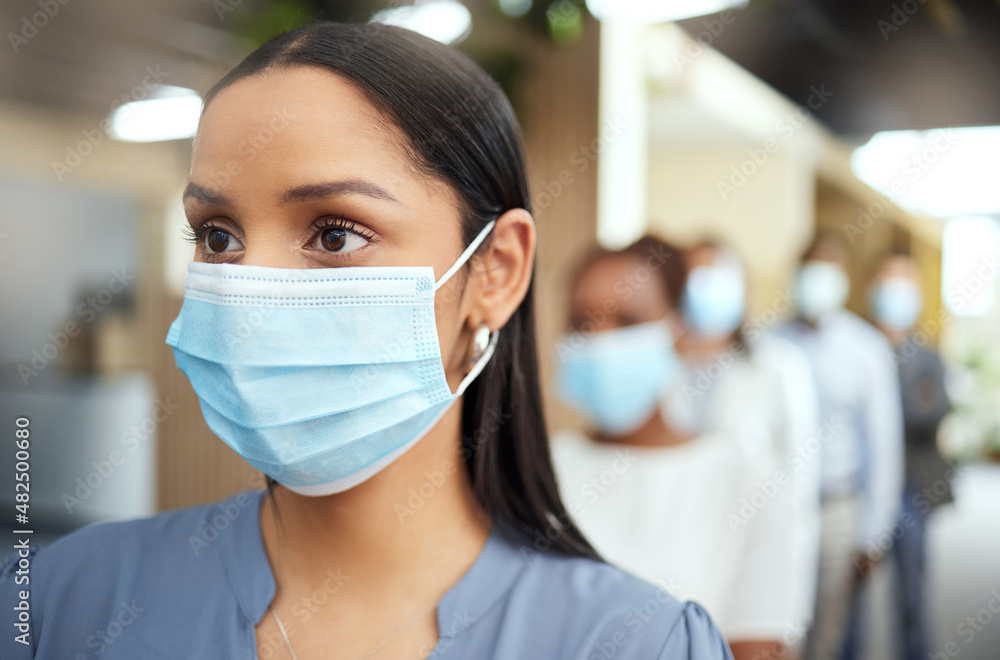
503 272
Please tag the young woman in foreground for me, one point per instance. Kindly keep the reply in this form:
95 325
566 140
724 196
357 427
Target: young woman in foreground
351 280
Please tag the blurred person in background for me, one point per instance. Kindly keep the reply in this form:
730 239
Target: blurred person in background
695 512
861 460
753 384
896 302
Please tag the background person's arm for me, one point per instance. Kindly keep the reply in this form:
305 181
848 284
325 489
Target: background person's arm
925 396
760 650
798 454
763 605
882 447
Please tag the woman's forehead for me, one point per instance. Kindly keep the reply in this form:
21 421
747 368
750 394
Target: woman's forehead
621 278
302 105
274 132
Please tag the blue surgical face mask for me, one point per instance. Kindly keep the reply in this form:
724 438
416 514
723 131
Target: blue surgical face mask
896 302
713 299
822 288
317 377
616 377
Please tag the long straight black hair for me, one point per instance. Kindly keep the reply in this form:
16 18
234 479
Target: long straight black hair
462 130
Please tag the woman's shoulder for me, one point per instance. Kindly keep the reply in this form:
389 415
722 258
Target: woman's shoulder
189 531
144 575
103 569
585 608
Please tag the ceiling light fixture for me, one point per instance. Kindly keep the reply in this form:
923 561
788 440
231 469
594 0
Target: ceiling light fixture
945 172
447 21
658 11
170 113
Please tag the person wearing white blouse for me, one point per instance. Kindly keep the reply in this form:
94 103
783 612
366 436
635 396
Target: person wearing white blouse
702 514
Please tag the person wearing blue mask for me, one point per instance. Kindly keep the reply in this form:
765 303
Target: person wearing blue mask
895 304
738 376
696 512
714 298
358 325
861 454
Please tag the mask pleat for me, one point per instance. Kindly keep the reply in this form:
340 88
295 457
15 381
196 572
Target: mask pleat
300 442
260 397
353 457
268 337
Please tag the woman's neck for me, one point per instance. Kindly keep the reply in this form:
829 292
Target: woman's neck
702 349
894 336
654 433
409 532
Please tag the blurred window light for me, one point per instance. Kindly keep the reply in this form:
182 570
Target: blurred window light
515 8
622 145
659 11
970 265
170 113
944 172
447 21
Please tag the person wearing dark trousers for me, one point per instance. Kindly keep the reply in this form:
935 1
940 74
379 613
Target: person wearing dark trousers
895 305
861 456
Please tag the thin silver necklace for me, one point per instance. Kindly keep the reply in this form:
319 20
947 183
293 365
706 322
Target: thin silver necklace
397 631
377 647
284 634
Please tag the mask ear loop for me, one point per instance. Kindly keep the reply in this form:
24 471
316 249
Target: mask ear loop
464 257
473 246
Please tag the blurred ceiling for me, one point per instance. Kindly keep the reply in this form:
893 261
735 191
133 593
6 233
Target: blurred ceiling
90 53
890 64
87 54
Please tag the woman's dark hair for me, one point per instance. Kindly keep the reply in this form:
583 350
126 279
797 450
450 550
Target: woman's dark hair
893 252
666 260
830 242
461 129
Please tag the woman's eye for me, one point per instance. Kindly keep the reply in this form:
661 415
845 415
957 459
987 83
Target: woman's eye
219 240
338 239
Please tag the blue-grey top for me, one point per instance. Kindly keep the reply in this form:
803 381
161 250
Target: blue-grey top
194 583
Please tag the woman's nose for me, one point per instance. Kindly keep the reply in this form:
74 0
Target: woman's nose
272 249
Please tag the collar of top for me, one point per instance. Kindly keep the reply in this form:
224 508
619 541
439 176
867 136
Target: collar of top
502 560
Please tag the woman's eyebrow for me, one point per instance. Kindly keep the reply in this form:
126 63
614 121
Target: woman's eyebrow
304 193
314 191
206 195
